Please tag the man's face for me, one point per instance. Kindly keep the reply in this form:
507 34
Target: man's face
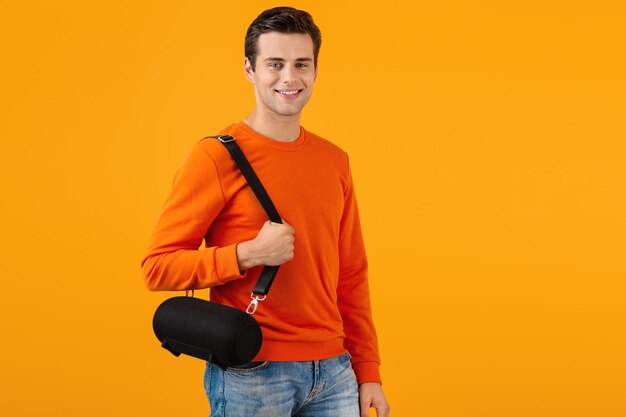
284 74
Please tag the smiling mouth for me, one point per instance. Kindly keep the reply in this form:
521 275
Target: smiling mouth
288 92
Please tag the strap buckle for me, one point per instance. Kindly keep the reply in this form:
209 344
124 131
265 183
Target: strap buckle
226 138
254 304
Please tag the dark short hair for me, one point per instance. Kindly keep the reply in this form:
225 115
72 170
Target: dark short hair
283 20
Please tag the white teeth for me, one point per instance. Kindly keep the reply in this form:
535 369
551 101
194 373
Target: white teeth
289 93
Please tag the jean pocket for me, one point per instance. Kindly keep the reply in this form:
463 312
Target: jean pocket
247 368
344 357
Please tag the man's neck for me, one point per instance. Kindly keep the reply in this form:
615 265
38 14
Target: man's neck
280 128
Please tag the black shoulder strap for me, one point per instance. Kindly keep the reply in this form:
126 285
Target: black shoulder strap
263 284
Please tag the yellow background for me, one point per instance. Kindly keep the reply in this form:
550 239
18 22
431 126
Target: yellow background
487 145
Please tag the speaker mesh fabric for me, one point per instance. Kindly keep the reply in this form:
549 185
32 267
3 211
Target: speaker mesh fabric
201 328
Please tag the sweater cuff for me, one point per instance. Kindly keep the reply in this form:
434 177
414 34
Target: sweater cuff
226 265
367 372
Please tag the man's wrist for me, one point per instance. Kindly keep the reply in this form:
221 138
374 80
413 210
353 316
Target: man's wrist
246 258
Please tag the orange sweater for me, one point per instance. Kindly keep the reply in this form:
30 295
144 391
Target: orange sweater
319 304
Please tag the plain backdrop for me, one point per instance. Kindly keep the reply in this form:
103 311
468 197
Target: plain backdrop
487 146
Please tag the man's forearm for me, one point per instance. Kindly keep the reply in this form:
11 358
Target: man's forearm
246 257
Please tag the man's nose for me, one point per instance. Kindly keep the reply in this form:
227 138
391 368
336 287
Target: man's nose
288 74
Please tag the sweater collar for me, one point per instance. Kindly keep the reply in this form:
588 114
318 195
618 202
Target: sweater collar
285 146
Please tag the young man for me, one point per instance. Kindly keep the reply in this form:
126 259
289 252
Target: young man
319 356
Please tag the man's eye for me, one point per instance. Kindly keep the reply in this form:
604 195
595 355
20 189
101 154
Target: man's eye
301 65
275 65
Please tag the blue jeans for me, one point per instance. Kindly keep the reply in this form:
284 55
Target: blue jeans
324 388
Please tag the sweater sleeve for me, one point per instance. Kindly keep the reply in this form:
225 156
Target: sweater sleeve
353 298
173 260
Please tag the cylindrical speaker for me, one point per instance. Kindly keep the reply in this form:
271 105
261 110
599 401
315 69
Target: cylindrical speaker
207 330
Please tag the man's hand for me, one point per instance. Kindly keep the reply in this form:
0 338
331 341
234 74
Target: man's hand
273 245
371 395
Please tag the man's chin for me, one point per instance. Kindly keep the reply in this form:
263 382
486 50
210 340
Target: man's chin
288 111
292 110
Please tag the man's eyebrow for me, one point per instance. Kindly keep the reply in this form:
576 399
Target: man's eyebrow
284 60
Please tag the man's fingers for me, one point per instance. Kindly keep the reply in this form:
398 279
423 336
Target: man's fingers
382 410
381 406
371 395
365 407
290 227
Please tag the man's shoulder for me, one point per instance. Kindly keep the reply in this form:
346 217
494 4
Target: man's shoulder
325 144
212 146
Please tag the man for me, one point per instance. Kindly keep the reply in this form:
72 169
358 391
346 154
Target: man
319 340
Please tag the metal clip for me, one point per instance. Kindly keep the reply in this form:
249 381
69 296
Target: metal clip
254 304
226 138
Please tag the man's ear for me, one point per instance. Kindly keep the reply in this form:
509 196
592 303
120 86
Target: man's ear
315 77
247 70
